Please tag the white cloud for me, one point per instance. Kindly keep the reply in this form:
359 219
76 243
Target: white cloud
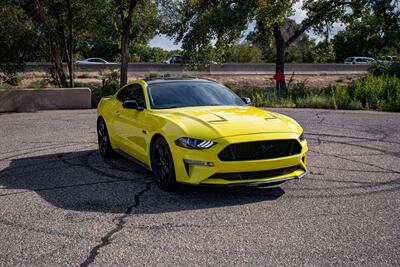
164 42
300 14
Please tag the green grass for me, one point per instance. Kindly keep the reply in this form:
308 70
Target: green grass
5 86
315 102
370 92
42 83
80 84
153 75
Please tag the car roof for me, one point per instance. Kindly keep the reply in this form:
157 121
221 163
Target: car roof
174 79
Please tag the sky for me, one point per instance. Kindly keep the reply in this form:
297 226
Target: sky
168 44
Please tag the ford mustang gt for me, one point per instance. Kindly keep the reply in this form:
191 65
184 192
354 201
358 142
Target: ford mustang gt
199 132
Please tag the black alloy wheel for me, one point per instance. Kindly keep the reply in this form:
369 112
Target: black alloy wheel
163 165
103 140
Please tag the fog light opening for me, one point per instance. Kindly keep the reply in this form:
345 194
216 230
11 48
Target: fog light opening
197 162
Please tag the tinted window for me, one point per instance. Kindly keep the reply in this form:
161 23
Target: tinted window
132 92
191 94
97 60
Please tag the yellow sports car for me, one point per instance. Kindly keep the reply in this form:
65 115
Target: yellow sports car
199 132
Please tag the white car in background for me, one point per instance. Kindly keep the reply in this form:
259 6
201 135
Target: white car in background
359 61
92 61
174 60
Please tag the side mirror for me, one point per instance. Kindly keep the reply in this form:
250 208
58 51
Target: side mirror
246 100
131 104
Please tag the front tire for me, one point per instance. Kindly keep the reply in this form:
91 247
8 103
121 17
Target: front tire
163 165
103 140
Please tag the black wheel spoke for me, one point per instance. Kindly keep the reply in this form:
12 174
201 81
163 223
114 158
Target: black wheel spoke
103 140
162 164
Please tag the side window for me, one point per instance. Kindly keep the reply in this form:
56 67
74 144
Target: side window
123 94
132 92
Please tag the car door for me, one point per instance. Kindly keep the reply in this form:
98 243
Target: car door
131 124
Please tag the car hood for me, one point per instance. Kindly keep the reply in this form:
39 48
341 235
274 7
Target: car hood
224 121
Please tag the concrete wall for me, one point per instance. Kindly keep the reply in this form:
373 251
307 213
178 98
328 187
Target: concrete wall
21 100
216 69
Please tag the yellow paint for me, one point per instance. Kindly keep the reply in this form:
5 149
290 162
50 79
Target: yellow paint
132 131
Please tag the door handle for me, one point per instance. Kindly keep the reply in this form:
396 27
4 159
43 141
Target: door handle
117 113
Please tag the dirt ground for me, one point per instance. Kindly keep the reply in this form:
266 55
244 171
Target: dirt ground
94 80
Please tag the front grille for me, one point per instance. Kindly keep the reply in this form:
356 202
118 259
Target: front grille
232 176
260 150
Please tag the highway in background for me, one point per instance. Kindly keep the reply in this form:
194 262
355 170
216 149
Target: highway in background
217 69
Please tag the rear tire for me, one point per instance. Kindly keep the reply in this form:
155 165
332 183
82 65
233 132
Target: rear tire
163 167
103 140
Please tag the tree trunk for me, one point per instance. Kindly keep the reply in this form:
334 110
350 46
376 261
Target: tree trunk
126 26
70 46
57 61
54 45
124 52
281 88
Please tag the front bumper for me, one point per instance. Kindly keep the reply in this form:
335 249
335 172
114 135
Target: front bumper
265 183
204 175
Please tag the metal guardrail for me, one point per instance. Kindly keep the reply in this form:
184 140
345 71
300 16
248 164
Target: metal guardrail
214 69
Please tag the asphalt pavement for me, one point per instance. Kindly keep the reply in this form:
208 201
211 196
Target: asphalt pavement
61 204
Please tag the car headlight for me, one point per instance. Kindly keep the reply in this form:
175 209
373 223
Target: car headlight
301 137
192 143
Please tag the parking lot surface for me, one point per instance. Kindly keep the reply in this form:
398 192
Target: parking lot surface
62 205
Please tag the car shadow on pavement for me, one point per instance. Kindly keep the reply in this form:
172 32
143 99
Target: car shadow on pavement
83 181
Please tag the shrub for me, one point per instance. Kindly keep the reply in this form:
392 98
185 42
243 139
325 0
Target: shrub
80 84
84 76
259 97
390 98
153 75
4 86
386 68
110 87
341 97
382 92
354 104
298 90
9 73
394 69
369 90
315 102
379 68
13 79
112 75
42 83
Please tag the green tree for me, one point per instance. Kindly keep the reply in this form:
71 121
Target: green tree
19 41
144 53
376 33
58 22
137 19
243 53
323 53
197 23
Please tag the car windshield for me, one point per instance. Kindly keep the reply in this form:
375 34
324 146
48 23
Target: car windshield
191 94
